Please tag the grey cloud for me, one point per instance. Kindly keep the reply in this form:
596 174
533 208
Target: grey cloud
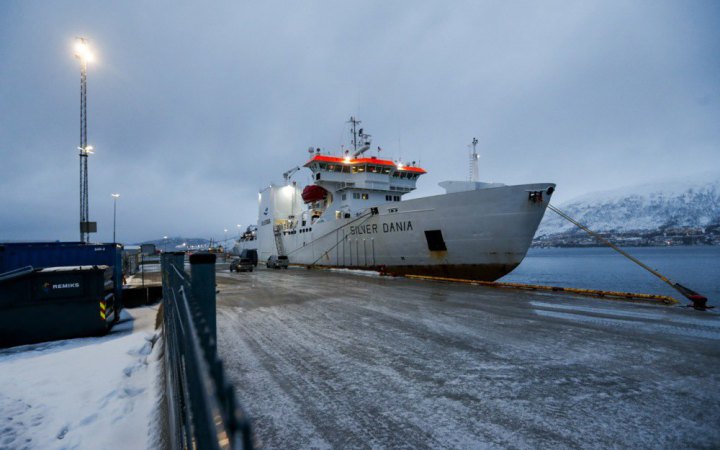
194 107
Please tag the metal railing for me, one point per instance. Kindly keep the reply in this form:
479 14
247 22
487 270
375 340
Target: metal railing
202 411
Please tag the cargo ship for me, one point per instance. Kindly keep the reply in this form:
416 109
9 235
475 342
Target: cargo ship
354 216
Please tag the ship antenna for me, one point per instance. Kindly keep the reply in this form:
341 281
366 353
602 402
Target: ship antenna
474 157
354 123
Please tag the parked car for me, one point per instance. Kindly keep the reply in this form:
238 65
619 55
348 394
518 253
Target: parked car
251 254
241 265
277 262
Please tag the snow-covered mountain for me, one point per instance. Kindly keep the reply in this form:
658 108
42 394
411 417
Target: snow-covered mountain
691 203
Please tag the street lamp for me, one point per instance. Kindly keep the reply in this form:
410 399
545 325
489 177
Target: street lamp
83 54
166 242
115 197
239 228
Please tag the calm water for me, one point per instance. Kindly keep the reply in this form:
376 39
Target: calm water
602 268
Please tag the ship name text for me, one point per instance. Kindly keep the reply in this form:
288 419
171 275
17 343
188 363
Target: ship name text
374 228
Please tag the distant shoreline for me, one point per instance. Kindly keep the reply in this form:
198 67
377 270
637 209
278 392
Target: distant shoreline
623 245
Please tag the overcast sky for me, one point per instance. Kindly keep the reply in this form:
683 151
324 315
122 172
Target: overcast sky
194 106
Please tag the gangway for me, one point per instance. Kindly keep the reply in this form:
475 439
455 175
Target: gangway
277 229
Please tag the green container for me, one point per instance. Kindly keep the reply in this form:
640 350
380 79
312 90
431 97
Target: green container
55 303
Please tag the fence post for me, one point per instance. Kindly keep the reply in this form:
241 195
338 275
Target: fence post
202 275
168 259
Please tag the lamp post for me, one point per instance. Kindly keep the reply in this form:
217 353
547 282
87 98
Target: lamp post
115 197
83 54
166 241
239 228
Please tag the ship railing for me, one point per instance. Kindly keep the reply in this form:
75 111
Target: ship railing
201 411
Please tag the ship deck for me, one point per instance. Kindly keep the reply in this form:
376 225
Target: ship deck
327 359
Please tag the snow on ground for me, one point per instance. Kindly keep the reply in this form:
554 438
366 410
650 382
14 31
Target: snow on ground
87 393
366 273
332 360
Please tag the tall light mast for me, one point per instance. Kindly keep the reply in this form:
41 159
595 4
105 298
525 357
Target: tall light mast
474 157
82 53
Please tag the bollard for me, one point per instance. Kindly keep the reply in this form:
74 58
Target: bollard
202 276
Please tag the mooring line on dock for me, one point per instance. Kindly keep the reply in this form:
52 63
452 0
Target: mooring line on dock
699 300
614 295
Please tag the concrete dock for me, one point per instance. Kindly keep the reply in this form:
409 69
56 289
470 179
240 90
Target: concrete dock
339 360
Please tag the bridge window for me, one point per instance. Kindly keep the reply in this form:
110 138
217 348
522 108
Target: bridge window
365 196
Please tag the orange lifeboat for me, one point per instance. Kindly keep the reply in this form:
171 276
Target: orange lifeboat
313 193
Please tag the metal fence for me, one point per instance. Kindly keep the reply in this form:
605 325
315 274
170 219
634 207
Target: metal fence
202 410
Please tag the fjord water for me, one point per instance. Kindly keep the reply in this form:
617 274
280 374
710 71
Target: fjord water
696 267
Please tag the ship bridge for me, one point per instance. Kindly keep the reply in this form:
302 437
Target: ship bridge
375 174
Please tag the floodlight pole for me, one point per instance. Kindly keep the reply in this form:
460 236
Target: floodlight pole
115 197
84 203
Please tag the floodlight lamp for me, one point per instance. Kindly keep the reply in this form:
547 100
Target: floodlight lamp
115 195
82 51
80 47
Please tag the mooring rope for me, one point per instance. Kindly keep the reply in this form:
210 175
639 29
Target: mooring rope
698 300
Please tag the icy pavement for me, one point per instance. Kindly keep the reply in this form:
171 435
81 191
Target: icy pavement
88 393
334 360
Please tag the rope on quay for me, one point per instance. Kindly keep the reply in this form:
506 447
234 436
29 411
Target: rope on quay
534 287
699 301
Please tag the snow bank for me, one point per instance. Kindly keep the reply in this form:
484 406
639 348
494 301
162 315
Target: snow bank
83 393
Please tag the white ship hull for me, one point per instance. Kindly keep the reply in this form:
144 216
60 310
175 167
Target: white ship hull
485 234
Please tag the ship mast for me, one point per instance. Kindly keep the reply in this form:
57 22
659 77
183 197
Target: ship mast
359 138
354 123
474 157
